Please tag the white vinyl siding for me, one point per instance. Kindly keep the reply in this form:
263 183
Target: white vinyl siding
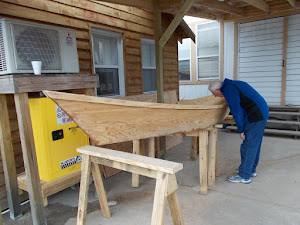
193 91
293 61
260 57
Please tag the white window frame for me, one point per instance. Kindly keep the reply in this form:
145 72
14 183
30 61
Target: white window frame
152 42
120 65
190 59
208 56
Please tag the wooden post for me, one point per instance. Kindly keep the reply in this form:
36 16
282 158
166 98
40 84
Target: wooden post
203 135
100 190
159 204
193 148
136 150
212 156
84 189
8 162
151 147
30 160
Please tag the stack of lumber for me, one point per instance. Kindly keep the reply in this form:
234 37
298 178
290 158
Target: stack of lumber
283 120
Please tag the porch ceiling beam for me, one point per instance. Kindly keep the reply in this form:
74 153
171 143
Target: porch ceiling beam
175 22
260 4
220 6
292 3
205 13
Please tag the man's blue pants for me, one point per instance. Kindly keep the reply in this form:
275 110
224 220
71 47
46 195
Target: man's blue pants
250 148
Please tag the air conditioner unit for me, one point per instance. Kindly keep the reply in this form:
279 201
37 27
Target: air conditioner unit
22 42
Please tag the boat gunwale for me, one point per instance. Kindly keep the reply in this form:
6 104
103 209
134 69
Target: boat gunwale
119 102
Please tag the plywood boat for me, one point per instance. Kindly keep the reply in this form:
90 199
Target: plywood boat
108 121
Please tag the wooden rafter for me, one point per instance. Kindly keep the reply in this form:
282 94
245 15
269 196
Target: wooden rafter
260 4
175 22
220 6
292 3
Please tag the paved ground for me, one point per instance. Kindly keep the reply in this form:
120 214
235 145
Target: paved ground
273 197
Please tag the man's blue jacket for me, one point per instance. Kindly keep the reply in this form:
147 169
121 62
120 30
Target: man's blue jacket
245 103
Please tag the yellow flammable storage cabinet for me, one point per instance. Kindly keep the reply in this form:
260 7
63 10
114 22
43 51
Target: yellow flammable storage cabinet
56 138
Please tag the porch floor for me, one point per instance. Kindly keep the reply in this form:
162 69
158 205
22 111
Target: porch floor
272 198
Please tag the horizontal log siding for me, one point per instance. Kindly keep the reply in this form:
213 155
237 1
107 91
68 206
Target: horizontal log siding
79 15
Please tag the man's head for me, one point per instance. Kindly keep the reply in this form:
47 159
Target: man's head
214 87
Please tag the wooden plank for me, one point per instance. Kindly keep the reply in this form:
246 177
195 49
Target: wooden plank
159 205
136 150
213 141
30 160
40 15
91 99
50 188
132 159
273 131
292 3
8 162
100 190
80 16
107 9
84 189
20 83
172 184
125 167
134 3
284 60
203 135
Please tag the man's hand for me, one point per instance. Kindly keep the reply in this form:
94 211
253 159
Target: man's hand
242 135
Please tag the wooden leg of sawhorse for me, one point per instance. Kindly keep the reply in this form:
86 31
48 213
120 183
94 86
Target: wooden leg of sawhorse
203 145
213 137
194 147
84 189
166 186
97 177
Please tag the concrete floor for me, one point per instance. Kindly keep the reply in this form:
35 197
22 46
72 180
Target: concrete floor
272 198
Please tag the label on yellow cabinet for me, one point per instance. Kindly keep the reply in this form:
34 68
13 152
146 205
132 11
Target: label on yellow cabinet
70 162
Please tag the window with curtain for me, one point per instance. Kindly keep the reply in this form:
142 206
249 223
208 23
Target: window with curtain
184 60
149 65
208 36
108 62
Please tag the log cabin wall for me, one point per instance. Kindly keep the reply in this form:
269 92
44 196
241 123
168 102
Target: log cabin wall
133 23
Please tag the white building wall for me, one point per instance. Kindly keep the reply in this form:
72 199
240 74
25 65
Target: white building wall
260 57
193 91
293 61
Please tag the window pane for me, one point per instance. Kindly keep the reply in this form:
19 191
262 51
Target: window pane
208 39
208 67
109 82
105 50
184 49
148 54
149 80
184 70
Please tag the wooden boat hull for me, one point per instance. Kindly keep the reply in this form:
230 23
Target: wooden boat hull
108 121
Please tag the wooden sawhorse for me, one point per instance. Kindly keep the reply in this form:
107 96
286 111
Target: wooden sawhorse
161 170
